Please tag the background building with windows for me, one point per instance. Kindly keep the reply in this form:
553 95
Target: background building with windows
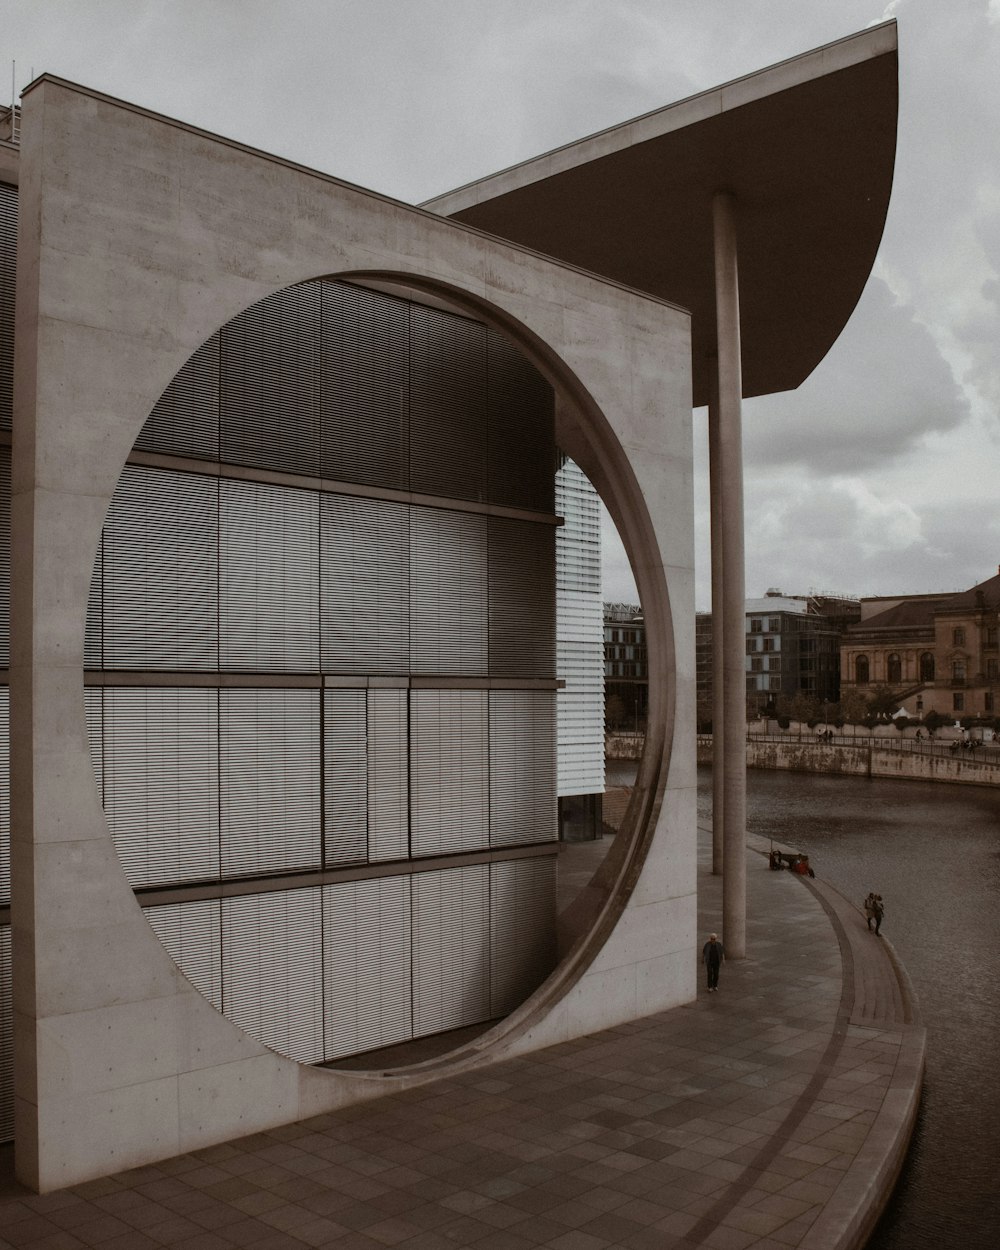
938 653
626 667
792 648
893 644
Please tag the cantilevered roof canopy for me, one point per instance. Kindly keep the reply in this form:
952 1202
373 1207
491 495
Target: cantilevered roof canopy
807 149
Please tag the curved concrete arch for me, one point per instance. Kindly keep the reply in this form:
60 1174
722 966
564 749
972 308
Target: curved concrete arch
139 238
593 444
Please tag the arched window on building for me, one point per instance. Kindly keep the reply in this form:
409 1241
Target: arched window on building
861 670
894 668
927 666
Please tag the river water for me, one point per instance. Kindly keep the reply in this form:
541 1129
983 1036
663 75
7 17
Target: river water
933 852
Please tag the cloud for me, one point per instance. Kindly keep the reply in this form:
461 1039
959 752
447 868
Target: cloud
617 582
879 472
883 388
839 530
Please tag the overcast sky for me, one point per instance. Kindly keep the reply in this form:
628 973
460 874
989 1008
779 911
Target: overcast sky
879 475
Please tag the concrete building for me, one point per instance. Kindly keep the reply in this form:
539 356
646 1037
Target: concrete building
792 647
281 764
626 667
276 644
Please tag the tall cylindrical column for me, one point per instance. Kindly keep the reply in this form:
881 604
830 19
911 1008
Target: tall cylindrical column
732 623
718 680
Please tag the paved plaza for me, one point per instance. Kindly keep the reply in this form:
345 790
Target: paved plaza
772 1114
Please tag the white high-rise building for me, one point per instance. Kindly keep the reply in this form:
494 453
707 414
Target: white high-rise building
579 655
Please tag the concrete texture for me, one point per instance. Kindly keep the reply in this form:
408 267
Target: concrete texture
772 1114
633 202
897 761
138 238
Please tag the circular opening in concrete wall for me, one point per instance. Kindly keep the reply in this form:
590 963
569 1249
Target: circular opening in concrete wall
322 671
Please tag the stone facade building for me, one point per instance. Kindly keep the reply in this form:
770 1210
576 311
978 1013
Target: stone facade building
938 653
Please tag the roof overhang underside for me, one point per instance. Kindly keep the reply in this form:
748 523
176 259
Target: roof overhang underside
807 150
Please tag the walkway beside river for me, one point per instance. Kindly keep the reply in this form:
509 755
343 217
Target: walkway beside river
772 1114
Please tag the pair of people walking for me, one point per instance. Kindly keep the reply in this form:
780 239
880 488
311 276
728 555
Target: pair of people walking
874 910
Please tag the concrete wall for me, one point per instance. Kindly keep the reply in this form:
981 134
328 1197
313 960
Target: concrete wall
864 760
139 237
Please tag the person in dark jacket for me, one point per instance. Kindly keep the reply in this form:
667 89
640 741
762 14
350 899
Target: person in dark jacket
878 911
712 956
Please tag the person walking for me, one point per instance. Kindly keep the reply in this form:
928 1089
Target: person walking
712 955
878 911
869 905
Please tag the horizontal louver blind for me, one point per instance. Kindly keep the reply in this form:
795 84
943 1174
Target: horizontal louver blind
270 780
579 639
185 420
451 958
192 934
365 585
521 443
580 704
161 572
4 794
268 582
93 708
388 775
330 380
366 934
449 612
8 273
522 929
447 404
449 771
6 1039
364 386
578 541
162 783
346 776
270 376
522 767
93 639
522 599
4 557
272 969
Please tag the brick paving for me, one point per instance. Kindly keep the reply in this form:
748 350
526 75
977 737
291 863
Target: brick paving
770 1115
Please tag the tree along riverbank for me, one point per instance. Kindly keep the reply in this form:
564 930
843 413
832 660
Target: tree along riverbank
901 760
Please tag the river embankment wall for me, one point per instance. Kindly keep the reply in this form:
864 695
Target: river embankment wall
904 761
864 760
